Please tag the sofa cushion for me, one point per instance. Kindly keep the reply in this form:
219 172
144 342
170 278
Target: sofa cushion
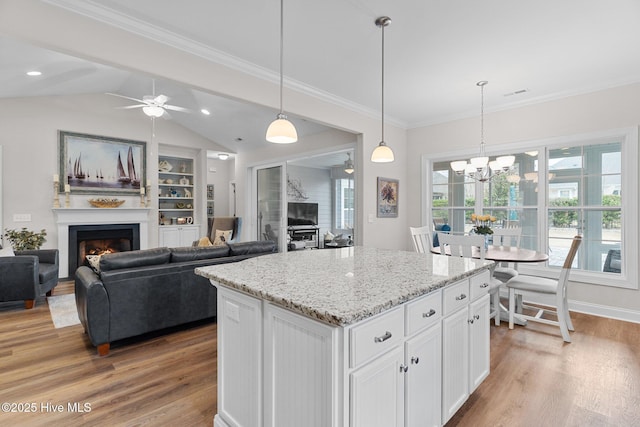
131 259
194 253
249 248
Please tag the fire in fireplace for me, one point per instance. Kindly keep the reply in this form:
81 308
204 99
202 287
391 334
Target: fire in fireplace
97 239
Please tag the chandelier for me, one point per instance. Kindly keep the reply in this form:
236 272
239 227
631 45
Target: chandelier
480 168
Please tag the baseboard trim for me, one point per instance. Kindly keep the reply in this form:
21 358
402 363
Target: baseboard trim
584 307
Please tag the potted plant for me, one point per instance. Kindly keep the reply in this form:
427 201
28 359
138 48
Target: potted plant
24 239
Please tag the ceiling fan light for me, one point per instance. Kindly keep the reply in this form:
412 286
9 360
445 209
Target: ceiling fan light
382 154
479 162
153 111
282 131
459 166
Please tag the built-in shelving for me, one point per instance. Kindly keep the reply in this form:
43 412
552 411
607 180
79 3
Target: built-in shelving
176 190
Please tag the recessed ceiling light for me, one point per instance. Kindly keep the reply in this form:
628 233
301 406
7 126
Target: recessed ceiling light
34 73
205 112
223 156
517 92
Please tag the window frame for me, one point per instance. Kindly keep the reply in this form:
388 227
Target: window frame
628 138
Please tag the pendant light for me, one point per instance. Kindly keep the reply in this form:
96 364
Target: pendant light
281 130
348 165
479 167
382 153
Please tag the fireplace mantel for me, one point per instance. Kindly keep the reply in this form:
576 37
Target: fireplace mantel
83 216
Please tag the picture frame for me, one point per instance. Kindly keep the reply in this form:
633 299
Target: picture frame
94 164
387 198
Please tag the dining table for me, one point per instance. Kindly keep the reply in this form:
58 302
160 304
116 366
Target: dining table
508 254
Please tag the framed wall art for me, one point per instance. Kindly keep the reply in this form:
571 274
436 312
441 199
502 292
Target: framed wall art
387 198
95 164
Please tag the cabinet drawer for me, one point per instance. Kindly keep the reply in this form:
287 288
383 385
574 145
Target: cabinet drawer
423 312
479 284
376 336
455 296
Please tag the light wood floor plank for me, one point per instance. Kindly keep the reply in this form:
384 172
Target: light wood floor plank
170 379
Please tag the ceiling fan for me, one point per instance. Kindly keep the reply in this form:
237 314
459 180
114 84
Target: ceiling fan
152 105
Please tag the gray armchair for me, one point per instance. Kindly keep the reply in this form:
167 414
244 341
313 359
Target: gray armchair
28 275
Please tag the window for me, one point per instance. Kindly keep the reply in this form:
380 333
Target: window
345 202
571 186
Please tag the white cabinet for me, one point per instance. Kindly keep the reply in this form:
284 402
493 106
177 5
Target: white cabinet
377 392
411 366
423 378
178 236
465 344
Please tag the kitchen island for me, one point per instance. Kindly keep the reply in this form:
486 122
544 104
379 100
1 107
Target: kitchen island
349 337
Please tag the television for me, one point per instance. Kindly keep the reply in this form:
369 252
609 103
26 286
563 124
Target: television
302 214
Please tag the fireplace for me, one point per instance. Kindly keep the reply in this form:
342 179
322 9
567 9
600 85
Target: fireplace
96 239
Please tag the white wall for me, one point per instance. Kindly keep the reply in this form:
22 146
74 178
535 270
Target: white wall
28 134
95 41
609 109
224 173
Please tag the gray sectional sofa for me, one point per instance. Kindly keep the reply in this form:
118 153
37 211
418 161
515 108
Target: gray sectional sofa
146 290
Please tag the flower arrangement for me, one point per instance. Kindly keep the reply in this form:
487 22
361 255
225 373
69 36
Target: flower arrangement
483 223
25 239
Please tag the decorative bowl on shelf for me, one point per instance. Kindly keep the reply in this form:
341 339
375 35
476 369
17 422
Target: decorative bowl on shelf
164 166
105 203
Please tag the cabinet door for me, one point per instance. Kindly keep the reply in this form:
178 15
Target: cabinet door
455 362
377 392
169 237
423 380
188 235
479 358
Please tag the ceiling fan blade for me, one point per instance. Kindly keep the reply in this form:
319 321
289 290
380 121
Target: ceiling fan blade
132 106
125 97
176 108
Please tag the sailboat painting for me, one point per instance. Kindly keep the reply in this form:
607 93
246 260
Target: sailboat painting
98 164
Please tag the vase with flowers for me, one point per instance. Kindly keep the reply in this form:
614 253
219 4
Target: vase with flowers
482 225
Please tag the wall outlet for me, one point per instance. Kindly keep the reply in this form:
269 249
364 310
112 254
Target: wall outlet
371 218
21 217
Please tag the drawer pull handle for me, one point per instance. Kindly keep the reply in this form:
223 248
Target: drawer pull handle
429 314
383 338
415 360
470 321
461 297
484 285
477 316
403 368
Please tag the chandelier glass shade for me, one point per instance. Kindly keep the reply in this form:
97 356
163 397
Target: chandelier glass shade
480 168
281 130
382 153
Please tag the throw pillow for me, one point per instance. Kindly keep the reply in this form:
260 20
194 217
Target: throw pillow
7 252
94 262
205 242
222 237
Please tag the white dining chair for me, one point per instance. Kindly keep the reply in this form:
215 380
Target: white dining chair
421 238
506 237
557 287
463 246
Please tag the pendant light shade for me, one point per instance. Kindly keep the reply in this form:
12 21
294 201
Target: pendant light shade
281 130
348 165
382 153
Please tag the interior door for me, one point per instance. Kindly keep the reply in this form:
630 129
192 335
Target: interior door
269 204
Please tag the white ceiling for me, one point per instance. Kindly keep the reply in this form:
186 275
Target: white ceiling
436 51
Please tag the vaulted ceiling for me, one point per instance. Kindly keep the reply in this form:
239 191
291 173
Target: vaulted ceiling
435 51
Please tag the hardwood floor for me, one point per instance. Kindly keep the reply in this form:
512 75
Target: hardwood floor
165 380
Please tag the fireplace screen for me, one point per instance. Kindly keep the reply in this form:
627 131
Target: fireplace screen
100 239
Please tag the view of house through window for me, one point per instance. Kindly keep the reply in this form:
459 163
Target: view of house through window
579 191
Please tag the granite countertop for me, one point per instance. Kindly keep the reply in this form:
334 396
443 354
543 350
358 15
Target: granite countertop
342 286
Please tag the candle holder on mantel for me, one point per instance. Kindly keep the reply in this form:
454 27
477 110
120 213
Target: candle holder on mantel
67 198
143 201
56 195
148 195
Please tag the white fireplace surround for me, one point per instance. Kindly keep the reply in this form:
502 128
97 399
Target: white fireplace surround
94 216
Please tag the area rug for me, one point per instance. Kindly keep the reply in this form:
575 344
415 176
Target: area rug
63 310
